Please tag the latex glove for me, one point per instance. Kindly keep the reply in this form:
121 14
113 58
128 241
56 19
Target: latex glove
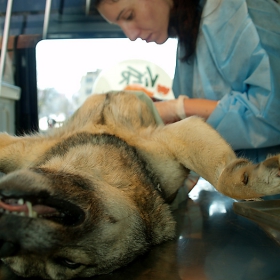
172 110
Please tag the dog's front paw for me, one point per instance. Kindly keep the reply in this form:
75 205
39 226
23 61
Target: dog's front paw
272 164
243 180
269 174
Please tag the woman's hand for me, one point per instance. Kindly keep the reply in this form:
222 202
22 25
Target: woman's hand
172 110
166 110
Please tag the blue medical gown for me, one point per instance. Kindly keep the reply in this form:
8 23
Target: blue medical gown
237 62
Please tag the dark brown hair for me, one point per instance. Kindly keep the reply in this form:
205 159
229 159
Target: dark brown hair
183 24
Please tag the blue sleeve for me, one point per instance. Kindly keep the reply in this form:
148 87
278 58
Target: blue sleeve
246 55
249 116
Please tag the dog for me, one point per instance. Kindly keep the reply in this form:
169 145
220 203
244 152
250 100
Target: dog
90 196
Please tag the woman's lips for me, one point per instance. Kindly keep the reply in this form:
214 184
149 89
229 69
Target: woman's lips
149 38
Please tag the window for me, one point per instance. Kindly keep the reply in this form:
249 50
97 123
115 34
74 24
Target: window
65 68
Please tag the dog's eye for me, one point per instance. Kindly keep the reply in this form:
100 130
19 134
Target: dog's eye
67 263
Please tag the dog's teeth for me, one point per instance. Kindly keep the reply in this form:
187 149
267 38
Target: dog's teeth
29 207
31 213
20 201
34 214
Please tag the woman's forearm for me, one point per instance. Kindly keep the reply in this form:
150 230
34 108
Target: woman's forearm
199 107
177 109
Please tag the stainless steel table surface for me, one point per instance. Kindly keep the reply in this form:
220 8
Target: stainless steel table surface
212 243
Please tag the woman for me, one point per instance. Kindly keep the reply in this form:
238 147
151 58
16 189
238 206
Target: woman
228 63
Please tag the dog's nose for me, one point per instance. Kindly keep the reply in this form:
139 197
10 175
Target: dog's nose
7 249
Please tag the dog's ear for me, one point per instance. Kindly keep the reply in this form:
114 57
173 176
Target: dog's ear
10 152
21 152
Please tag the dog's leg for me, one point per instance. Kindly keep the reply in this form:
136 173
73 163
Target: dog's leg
200 148
19 152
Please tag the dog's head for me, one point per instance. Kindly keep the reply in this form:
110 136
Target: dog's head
87 211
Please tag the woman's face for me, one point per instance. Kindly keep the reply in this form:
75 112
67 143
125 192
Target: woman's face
145 19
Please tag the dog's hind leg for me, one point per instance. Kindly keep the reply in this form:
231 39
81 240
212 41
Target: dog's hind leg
19 152
198 147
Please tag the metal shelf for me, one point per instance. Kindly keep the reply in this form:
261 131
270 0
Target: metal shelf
9 91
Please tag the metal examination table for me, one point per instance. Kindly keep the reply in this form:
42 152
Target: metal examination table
213 242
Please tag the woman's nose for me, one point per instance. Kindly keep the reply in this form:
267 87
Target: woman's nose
131 31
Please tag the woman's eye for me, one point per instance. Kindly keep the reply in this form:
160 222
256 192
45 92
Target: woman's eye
68 263
130 16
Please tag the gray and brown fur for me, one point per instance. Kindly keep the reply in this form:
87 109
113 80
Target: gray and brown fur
117 167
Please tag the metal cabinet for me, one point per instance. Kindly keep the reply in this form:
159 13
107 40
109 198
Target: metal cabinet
9 93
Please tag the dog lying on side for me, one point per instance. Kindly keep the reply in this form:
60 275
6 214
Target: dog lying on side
89 197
